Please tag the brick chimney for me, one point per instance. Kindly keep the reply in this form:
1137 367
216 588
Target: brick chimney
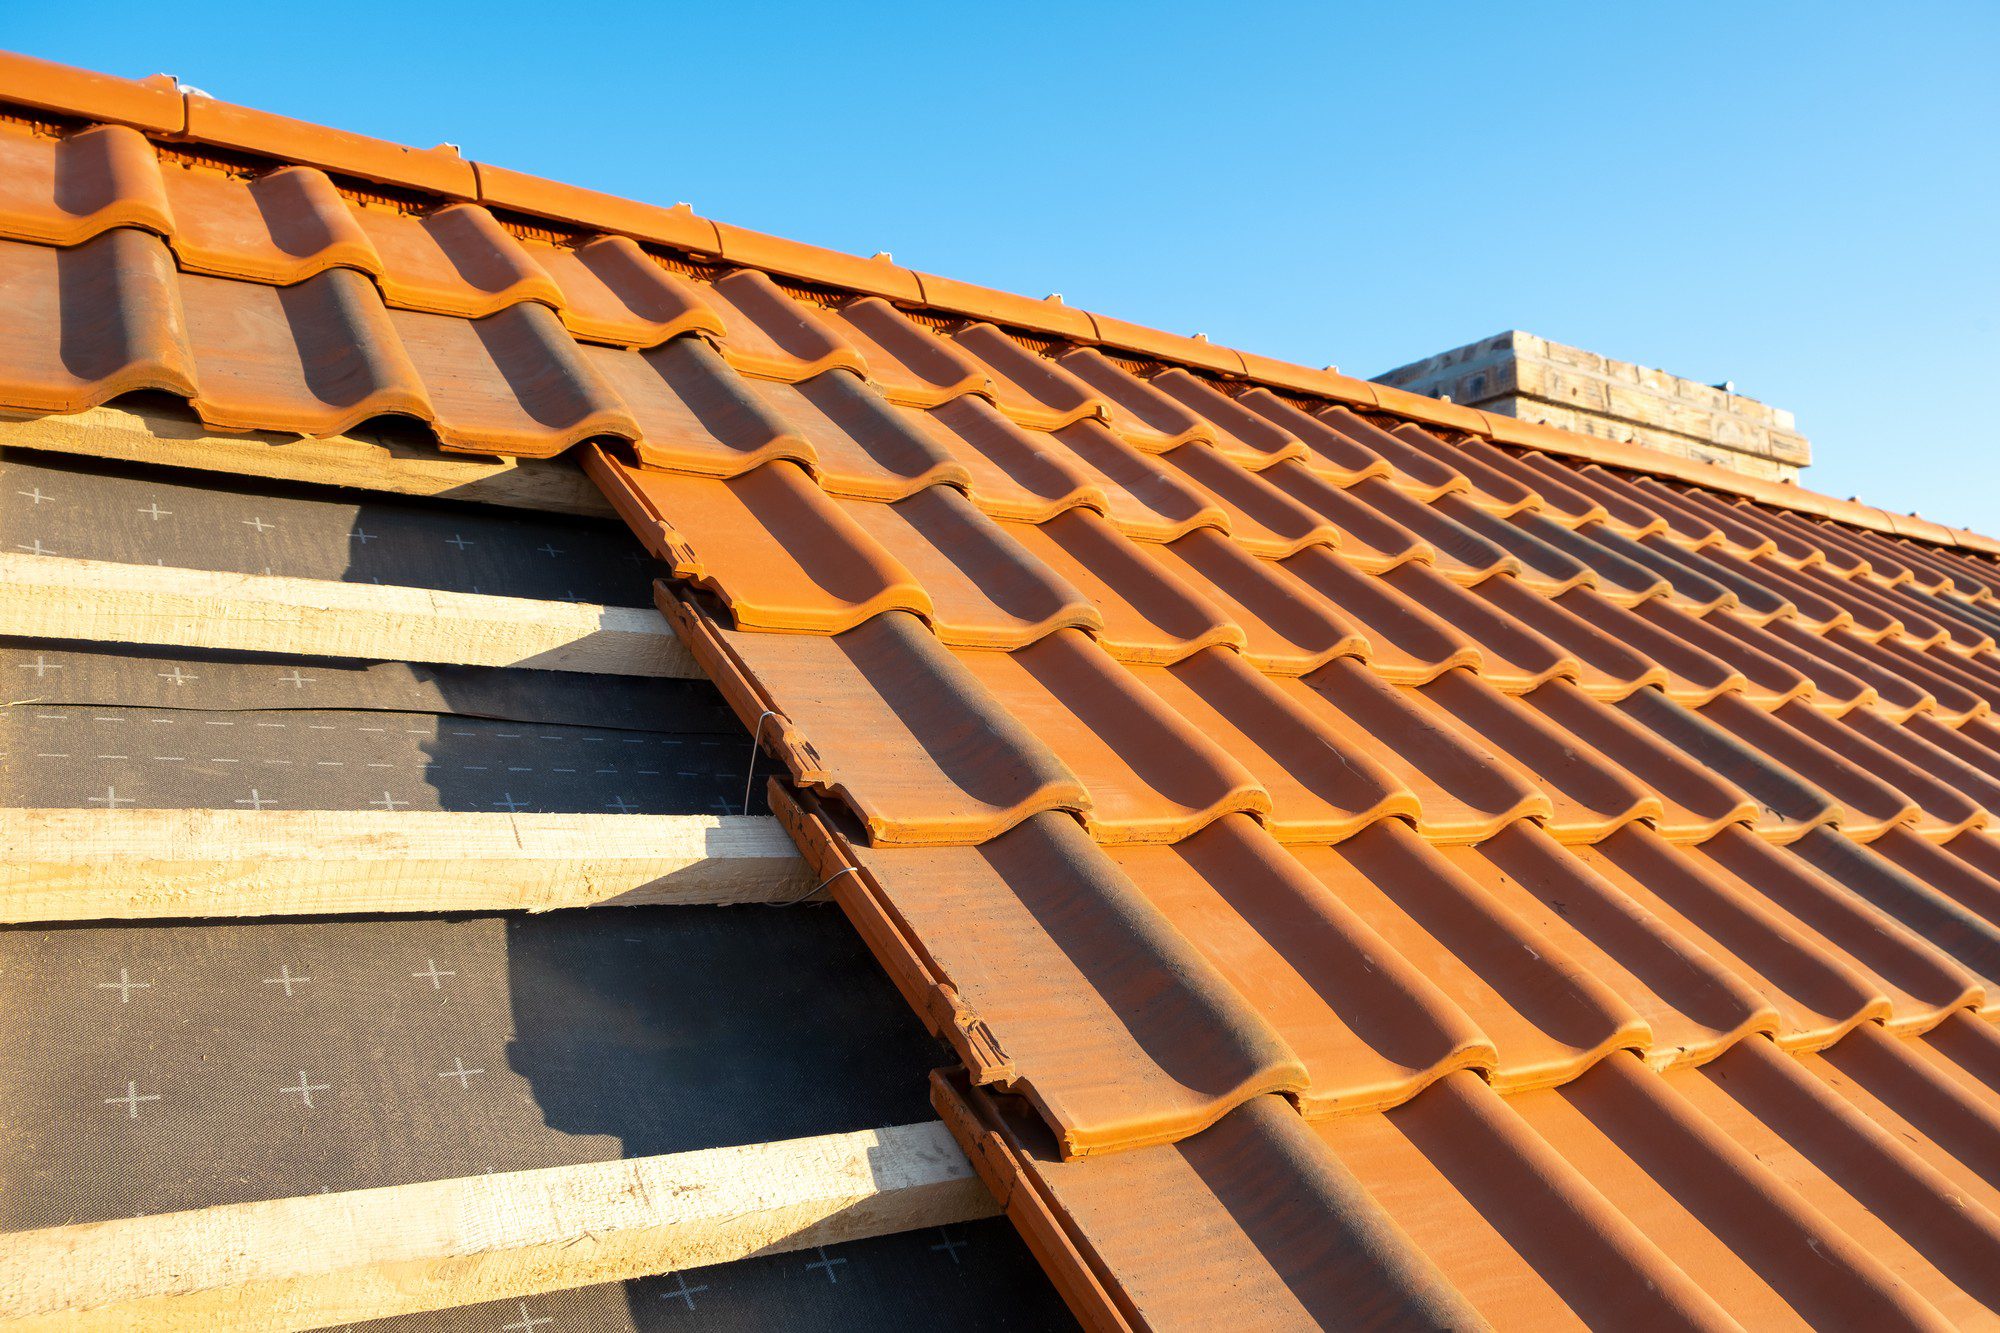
1534 379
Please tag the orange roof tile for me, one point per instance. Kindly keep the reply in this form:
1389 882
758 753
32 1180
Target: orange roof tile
1372 858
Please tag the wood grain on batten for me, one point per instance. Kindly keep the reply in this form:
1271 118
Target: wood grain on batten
331 1259
85 865
358 461
54 597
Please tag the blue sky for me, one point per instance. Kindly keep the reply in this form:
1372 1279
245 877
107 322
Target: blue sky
1799 198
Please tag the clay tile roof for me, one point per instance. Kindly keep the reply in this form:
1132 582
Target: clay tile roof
1372 860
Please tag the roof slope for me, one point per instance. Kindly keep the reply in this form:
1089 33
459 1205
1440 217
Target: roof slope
1366 866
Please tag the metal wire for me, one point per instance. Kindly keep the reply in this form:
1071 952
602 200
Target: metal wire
794 902
756 739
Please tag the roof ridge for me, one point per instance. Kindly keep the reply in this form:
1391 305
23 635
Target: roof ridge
160 105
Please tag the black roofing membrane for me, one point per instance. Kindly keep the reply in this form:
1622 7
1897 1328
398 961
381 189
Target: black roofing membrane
975 1277
53 505
238 731
158 1067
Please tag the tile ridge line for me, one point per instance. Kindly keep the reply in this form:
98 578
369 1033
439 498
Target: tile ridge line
163 107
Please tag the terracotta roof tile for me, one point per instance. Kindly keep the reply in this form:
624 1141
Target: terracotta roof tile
1139 411
863 445
1232 1194
611 291
515 378
769 335
986 591
1124 1051
1034 391
338 362
1322 786
1329 454
65 191
895 724
454 261
280 228
1152 776
1149 615
911 364
1287 630
694 414
814 568
1424 865
92 322
1144 500
1371 1028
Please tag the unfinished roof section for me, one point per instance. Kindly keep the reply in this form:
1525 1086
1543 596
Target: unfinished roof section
1450 868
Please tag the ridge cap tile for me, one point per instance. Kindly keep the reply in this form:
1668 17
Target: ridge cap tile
438 170
152 103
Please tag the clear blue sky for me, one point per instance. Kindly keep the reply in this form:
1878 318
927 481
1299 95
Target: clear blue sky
1800 198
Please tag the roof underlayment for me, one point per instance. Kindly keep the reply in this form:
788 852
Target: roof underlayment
154 1066
1369 859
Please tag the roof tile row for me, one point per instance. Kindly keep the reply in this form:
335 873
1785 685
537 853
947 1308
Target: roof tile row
159 108
1854 1187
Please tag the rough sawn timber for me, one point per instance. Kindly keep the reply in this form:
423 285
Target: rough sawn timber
55 597
356 460
332 1259
87 865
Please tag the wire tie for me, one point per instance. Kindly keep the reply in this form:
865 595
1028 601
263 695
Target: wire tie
756 739
794 902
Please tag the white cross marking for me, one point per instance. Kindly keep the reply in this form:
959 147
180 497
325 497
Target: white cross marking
432 974
130 1101
459 1072
527 1323
509 804
35 496
111 800
388 802
685 1292
178 676
258 523
41 666
458 541
124 986
362 535
156 512
34 548
305 1089
827 1263
255 800
948 1245
549 549
295 680
621 805
286 979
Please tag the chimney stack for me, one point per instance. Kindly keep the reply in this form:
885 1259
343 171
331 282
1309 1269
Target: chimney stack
1521 375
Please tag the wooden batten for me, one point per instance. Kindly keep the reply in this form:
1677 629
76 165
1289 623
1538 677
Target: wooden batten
358 461
332 1259
87 865
54 597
